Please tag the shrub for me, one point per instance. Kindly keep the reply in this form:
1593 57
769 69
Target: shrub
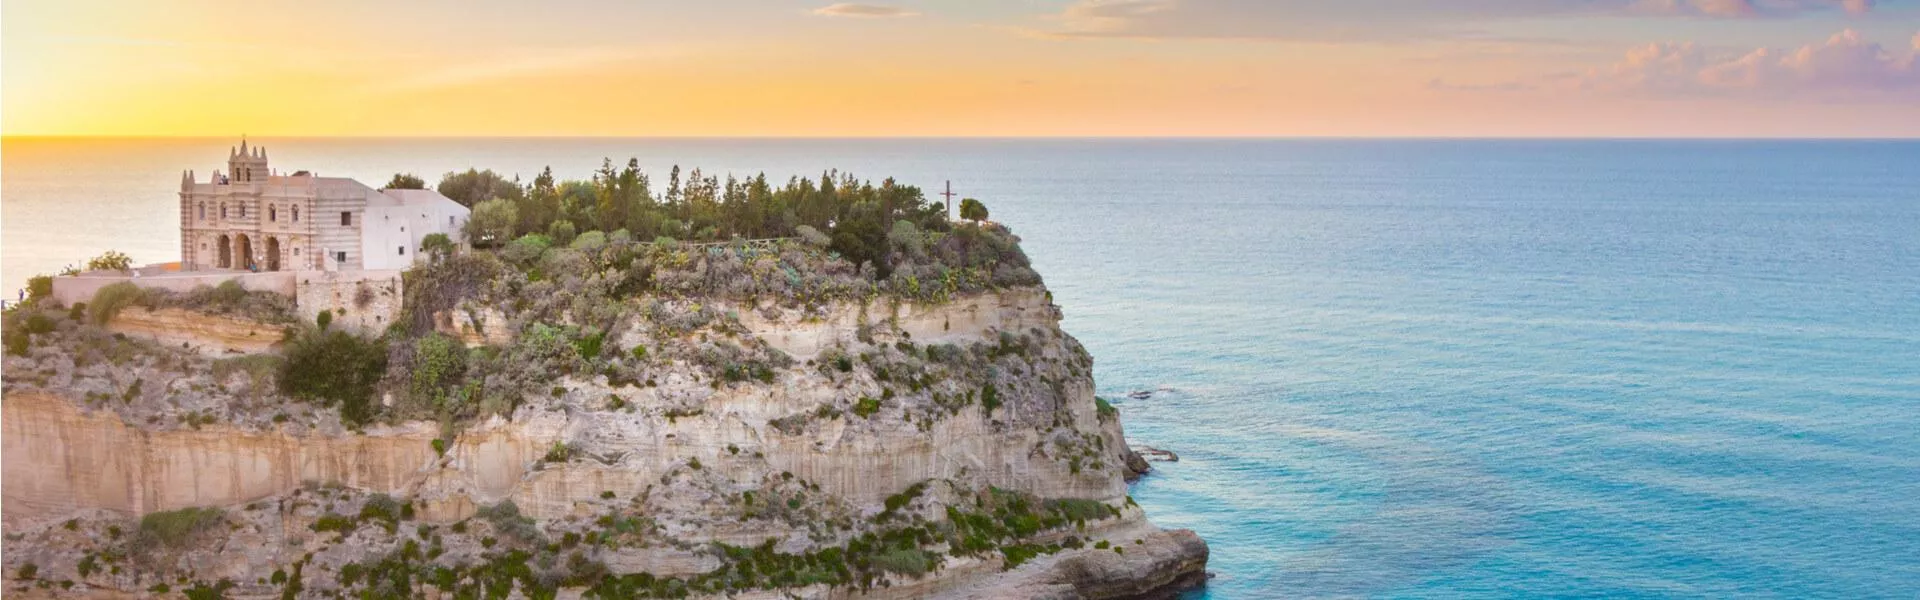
335 522
27 571
1105 409
973 210
173 528
39 323
560 452
526 249
1076 509
17 341
989 397
437 245
866 407
386 510
39 286
590 345
589 242
439 365
111 299
507 520
812 236
229 292
562 232
324 319
905 238
902 499
905 561
337 368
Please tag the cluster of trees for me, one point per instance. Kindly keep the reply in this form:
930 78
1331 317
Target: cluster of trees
854 215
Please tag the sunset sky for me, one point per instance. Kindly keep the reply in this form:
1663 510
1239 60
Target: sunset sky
963 68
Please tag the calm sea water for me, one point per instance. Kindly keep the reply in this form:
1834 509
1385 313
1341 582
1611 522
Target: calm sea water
1400 369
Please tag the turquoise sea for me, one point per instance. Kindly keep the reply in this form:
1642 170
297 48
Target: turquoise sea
1392 369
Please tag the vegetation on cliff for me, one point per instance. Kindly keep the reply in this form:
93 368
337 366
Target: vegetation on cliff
372 546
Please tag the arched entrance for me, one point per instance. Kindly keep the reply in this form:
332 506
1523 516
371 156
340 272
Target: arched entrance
225 259
273 254
244 248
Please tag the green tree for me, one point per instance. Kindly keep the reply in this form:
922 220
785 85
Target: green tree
335 367
972 210
39 286
541 205
439 365
862 242
492 223
474 186
437 245
406 181
112 260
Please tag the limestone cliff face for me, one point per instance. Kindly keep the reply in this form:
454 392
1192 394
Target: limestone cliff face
212 335
59 458
680 445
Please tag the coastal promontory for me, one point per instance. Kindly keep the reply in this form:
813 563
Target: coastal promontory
726 391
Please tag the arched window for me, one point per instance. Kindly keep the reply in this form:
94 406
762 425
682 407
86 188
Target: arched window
223 210
243 211
203 211
273 213
296 214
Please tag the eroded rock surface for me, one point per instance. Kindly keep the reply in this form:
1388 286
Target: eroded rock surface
886 419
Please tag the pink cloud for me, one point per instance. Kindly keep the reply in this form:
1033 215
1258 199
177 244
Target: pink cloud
863 11
1845 63
1747 8
1381 20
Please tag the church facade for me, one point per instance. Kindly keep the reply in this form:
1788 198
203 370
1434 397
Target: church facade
249 218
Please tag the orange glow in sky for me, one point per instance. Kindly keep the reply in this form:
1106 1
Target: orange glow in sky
1641 68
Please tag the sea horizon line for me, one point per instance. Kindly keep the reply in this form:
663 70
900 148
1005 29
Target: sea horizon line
30 137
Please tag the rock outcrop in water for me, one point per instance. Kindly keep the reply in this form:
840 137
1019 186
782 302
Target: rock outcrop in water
870 447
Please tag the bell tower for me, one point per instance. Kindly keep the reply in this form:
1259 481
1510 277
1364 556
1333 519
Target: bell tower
247 165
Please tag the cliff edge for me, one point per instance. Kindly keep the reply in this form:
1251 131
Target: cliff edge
541 435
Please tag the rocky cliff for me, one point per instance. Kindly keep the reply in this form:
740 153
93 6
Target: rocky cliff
886 449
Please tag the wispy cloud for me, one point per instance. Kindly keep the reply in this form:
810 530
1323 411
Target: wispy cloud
1379 20
1846 65
864 11
1748 8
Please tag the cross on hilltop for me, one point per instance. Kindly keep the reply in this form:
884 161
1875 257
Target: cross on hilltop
949 194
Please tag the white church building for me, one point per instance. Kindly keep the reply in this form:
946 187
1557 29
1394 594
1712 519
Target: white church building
252 219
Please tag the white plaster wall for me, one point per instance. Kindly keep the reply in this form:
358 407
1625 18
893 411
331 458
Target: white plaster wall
386 240
392 227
